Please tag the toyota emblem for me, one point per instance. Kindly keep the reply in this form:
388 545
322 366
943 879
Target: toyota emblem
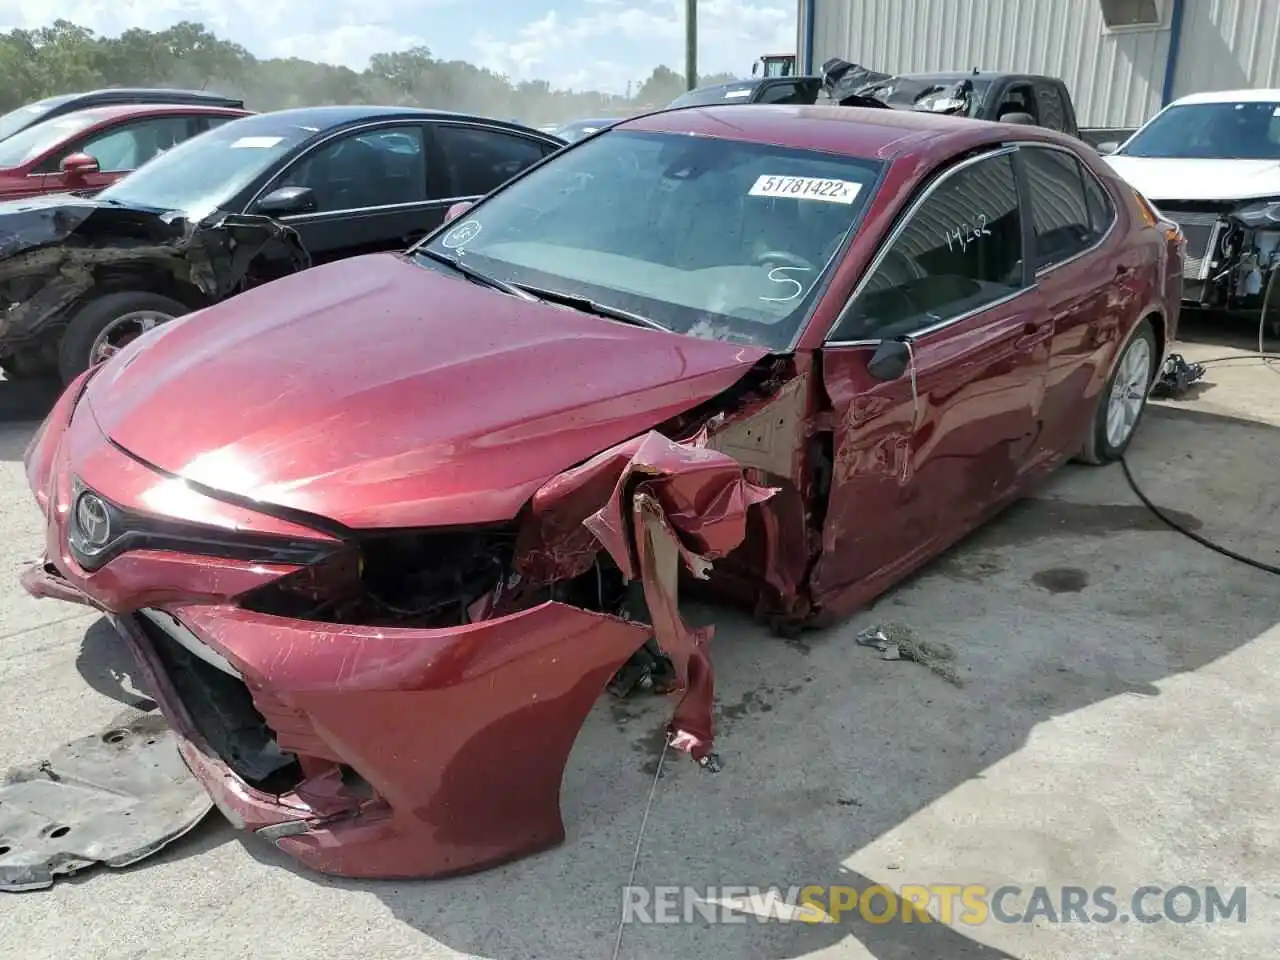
93 520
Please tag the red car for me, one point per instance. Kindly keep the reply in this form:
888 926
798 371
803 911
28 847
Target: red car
90 149
379 534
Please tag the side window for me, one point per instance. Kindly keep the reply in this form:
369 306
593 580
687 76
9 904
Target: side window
959 250
210 122
1019 98
1052 112
130 145
1064 218
482 160
781 93
368 168
1102 211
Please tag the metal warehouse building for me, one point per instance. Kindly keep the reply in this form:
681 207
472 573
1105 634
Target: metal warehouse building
1121 59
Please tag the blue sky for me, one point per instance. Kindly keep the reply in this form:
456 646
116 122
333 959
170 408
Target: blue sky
583 44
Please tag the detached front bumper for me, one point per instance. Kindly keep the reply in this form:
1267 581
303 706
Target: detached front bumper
394 752
423 753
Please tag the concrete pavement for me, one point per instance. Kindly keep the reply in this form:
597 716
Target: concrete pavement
1116 726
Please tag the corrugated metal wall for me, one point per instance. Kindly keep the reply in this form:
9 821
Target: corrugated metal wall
1228 45
1114 78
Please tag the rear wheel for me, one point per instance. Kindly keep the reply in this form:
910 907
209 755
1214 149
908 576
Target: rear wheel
106 324
1124 398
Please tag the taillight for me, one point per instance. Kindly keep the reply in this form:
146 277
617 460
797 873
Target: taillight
1151 216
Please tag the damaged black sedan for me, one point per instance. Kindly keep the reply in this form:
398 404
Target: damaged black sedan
248 202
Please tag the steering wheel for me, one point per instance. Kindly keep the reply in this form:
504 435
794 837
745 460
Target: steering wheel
781 258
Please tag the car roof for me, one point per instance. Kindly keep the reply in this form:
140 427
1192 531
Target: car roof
1230 96
117 111
157 95
330 116
955 76
864 132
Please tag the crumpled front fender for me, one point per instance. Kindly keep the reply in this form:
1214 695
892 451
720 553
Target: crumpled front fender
654 505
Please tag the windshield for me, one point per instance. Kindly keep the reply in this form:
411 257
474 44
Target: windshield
1211 131
30 143
725 93
200 175
714 238
16 120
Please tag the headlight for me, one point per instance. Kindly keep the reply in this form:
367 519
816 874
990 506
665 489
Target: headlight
1261 214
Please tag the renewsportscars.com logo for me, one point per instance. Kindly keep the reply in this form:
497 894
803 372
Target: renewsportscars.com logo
967 904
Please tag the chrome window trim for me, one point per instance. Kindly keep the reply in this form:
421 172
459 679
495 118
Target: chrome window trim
1000 151
941 325
393 122
1115 212
325 141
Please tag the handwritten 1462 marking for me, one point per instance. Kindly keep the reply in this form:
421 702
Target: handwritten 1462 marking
965 234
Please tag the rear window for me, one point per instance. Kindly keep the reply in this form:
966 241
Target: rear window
16 120
728 93
32 142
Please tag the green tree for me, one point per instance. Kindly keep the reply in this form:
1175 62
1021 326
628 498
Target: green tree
65 57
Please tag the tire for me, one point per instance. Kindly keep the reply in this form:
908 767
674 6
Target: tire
75 351
1106 445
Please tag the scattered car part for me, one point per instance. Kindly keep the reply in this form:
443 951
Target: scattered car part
1177 376
112 798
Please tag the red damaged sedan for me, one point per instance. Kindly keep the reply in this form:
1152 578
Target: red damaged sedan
381 533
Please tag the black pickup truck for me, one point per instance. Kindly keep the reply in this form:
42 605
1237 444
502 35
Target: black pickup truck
980 95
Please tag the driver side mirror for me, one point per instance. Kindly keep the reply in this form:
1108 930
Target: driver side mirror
755 68
287 201
458 209
890 361
78 165
1108 148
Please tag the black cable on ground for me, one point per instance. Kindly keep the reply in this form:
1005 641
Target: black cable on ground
1266 358
1174 525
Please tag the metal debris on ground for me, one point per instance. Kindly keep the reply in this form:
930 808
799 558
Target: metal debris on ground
897 641
1177 376
114 797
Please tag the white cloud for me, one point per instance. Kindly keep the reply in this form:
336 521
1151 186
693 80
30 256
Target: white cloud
635 37
597 44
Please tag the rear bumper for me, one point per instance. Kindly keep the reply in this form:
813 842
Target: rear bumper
459 737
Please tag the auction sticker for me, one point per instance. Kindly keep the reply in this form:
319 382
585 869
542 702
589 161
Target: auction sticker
806 188
255 143
464 232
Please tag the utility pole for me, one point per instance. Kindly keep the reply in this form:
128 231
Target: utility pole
690 44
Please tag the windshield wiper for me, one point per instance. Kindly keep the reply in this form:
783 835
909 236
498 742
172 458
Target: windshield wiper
587 305
476 276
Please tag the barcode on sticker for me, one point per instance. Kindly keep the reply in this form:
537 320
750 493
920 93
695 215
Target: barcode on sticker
806 188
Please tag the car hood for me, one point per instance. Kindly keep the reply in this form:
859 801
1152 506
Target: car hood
1159 179
380 394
